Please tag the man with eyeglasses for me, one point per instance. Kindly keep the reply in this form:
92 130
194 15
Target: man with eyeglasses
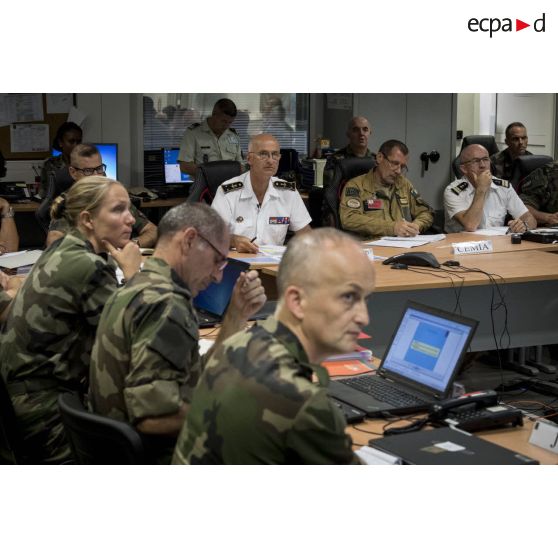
85 160
478 200
383 202
259 207
145 361
516 140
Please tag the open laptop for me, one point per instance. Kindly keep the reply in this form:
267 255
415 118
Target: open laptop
419 365
211 303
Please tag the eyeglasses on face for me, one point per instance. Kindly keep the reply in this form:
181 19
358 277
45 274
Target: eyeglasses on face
395 164
477 161
91 171
223 260
263 155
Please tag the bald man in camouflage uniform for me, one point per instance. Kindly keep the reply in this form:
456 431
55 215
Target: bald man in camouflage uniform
256 402
539 192
382 202
146 360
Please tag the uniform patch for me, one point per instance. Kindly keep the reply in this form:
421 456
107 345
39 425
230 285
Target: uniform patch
232 187
205 146
351 191
373 204
279 220
284 185
352 203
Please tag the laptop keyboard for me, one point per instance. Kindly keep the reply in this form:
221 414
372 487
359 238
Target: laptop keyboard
383 391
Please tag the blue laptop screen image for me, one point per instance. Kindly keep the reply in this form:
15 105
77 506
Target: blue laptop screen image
426 348
109 156
173 174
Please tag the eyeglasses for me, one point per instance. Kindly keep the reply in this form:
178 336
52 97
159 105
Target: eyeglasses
396 164
262 155
223 260
477 161
90 172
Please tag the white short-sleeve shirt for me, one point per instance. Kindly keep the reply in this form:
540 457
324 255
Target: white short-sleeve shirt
458 197
282 209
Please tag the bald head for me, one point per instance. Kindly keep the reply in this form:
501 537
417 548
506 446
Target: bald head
257 141
358 132
474 159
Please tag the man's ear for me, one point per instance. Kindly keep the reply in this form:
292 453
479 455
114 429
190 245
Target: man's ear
85 220
187 238
73 173
295 301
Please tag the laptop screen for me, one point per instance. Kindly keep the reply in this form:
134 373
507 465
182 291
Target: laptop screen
428 345
173 174
216 297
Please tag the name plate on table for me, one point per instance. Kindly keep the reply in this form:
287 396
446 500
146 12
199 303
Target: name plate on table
475 247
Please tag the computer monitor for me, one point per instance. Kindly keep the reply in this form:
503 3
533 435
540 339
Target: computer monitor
109 156
173 174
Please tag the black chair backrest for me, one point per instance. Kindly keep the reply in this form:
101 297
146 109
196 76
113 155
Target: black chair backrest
524 165
343 170
98 440
488 142
58 182
209 177
11 450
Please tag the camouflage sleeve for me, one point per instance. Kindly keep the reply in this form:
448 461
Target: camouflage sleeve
97 291
60 225
5 300
318 434
141 220
421 211
165 363
534 189
355 217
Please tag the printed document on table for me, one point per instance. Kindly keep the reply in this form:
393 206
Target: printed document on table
272 251
492 231
20 259
407 242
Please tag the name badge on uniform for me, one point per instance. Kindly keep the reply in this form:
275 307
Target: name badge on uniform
372 204
279 220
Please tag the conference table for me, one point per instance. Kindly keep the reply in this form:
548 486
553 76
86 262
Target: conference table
525 274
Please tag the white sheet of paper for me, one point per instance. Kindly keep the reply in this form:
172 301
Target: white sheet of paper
59 102
492 231
20 259
25 138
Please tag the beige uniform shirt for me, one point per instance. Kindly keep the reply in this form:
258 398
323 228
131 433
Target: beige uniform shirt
370 209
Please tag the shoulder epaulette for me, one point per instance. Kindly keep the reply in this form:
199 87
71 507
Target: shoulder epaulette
233 130
460 187
284 185
193 126
232 187
501 182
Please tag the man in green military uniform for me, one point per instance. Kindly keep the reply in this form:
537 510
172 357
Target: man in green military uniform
383 202
86 160
145 361
256 402
211 140
539 192
516 139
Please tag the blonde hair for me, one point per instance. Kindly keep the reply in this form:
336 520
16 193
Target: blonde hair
86 194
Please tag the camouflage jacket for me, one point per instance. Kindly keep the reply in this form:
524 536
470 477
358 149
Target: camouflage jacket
502 164
370 210
145 361
540 188
5 300
256 404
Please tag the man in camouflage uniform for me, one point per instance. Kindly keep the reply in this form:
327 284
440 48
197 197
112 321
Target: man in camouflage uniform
145 360
516 140
383 202
256 402
358 132
86 161
539 192
211 140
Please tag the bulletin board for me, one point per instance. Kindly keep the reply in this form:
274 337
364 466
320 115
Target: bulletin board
54 121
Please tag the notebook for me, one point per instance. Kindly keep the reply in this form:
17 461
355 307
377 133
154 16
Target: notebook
212 303
419 365
447 446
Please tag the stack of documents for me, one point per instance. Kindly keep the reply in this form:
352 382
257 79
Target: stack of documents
405 241
25 258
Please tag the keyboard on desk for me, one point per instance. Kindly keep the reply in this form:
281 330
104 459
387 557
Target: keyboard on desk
383 391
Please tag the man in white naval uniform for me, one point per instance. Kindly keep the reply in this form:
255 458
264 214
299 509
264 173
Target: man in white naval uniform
480 201
259 207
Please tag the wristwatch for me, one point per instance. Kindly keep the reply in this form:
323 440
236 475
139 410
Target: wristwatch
9 214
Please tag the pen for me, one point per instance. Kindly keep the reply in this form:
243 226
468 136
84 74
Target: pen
253 239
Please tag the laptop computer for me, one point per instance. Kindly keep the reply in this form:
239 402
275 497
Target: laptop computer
212 303
447 446
419 365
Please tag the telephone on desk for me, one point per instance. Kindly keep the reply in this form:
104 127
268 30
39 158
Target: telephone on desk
14 191
475 411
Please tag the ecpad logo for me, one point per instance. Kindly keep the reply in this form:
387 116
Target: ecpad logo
494 24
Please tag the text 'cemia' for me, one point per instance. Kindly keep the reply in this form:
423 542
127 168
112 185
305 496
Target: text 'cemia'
495 24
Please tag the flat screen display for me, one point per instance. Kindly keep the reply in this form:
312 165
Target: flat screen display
173 174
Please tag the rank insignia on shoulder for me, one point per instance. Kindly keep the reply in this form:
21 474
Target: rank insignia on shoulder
284 185
193 126
501 182
457 189
351 191
232 187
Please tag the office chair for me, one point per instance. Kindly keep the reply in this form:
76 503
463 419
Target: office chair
524 165
488 142
11 445
58 182
98 440
209 177
343 171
